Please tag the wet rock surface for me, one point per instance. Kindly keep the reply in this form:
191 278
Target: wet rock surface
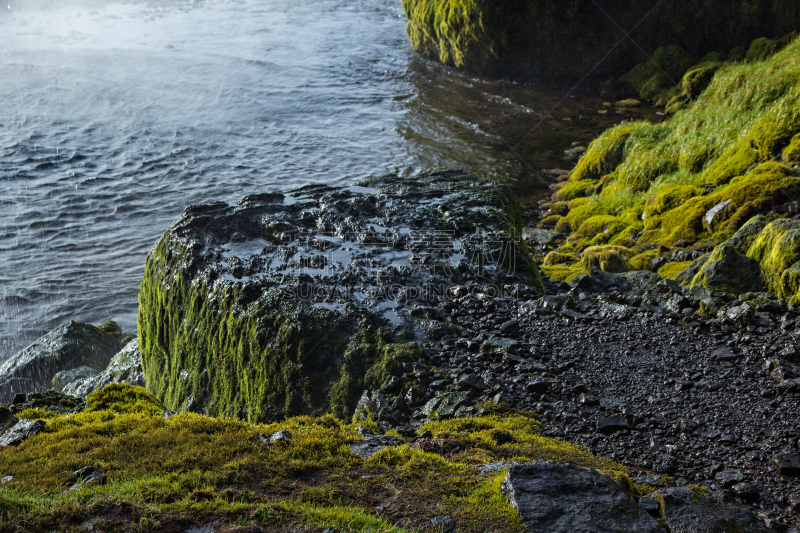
562 498
124 367
321 290
66 348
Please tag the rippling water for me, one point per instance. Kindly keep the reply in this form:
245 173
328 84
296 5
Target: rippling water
115 116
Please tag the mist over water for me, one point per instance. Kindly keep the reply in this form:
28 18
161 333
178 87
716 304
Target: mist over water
116 116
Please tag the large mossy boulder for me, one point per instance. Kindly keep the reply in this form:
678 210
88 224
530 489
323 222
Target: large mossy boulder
575 38
287 304
68 347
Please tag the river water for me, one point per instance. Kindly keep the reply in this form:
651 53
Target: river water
114 116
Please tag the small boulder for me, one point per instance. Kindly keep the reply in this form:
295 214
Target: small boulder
786 464
612 424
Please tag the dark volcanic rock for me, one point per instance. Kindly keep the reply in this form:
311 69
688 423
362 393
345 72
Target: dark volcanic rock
68 347
561 498
321 293
688 511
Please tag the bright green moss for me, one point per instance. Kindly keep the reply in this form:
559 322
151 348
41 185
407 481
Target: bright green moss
194 469
746 116
644 260
777 250
791 154
555 258
607 258
36 414
575 189
671 270
605 153
670 196
604 224
549 222
565 273
559 208
563 226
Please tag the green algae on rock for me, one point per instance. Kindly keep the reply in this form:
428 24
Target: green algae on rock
574 38
690 182
295 304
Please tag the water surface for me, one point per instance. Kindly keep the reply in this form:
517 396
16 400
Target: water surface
117 115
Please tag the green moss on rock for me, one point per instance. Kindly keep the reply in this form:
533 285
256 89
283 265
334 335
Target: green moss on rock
607 258
729 271
777 250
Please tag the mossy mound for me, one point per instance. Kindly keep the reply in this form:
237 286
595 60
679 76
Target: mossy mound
287 305
188 470
695 179
570 39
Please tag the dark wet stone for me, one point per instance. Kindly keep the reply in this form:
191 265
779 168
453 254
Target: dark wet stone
745 491
20 431
728 478
650 505
724 354
786 464
688 511
67 378
562 498
611 424
70 346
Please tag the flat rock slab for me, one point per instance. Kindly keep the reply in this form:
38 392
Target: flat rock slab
561 498
688 511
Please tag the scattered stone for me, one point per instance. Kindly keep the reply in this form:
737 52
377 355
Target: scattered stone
728 478
6 479
746 491
562 498
724 354
372 445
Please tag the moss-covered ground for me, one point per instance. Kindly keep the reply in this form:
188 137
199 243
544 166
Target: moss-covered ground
171 473
649 187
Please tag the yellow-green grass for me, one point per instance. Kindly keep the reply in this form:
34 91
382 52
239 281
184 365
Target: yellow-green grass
656 182
191 469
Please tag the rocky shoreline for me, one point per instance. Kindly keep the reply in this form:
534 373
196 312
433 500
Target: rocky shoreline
635 368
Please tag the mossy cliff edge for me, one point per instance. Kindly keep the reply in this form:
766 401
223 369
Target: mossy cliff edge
651 196
295 304
578 37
